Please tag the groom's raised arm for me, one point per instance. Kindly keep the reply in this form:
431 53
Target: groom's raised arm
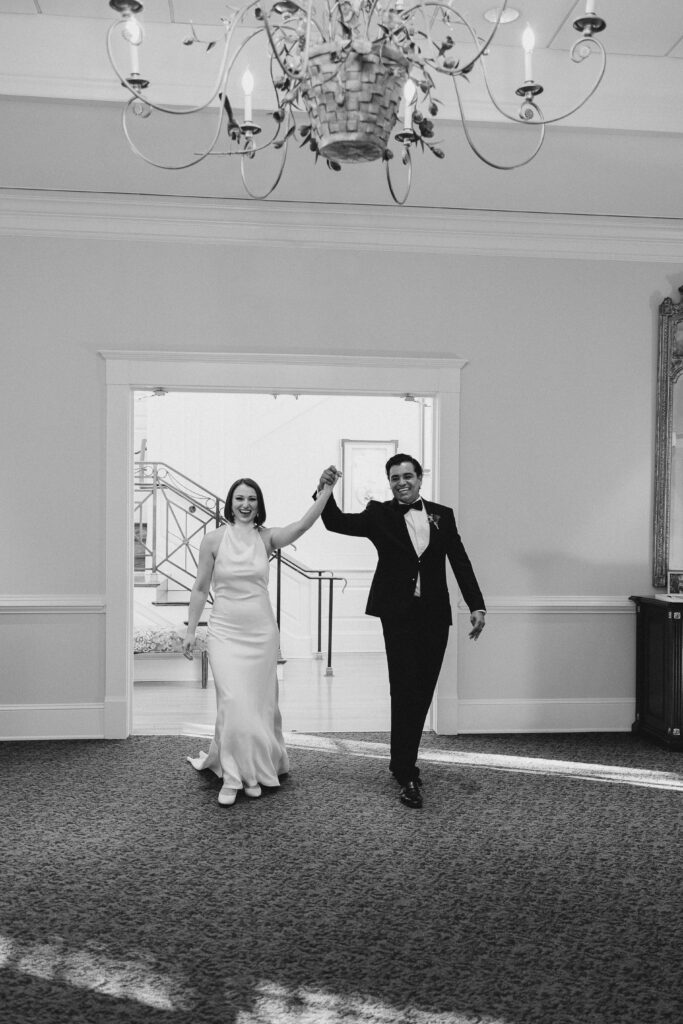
351 524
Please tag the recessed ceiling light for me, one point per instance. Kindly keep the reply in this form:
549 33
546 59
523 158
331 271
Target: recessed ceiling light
509 14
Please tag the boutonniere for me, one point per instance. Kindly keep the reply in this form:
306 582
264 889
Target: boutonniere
433 520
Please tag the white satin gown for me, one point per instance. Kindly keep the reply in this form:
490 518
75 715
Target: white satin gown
248 747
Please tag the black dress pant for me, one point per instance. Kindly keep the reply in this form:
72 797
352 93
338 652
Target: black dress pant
415 646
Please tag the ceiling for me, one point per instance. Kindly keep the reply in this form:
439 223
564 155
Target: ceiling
659 34
56 50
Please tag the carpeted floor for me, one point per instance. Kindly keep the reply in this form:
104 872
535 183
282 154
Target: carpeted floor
531 889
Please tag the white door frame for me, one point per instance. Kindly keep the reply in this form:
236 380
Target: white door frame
127 372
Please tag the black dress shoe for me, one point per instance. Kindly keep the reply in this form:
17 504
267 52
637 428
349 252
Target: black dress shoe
411 795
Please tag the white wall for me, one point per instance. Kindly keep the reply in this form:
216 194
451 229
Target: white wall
556 439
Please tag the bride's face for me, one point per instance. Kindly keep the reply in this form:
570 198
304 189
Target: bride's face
244 504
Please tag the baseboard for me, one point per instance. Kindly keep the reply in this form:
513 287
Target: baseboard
52 721
524 716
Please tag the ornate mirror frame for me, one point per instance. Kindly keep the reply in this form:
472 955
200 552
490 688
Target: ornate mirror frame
669 369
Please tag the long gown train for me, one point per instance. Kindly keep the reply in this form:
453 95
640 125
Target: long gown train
248 747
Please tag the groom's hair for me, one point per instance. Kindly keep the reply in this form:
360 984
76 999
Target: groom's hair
400 457
260 503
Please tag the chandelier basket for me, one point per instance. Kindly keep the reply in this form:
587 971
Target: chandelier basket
353 106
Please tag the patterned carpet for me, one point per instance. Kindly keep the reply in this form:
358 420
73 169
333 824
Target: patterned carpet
540 884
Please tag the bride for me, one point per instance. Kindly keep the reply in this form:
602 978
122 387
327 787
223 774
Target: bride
248 749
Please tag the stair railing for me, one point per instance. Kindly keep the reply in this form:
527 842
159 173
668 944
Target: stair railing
185 521
320 575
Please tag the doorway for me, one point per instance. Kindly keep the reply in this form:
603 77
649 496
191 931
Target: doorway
188 447
336 375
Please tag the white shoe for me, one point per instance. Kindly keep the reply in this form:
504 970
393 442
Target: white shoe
227 796
252 791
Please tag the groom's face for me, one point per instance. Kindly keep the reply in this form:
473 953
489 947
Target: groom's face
404 482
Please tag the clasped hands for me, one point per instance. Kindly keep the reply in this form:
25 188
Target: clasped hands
329 477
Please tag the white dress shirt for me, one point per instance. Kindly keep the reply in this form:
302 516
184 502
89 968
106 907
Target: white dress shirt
418 528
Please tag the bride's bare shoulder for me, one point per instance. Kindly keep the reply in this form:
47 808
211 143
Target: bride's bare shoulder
214 537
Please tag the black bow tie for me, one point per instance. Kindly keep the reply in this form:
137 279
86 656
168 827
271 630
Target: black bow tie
417 506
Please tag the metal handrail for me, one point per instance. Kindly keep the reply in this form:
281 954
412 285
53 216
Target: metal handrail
312 574
143 477
148 478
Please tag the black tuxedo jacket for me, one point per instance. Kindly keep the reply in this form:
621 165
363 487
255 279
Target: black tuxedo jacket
393 584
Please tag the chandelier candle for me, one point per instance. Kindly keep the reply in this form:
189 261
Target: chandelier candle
248 88
409 98
528 43
132 33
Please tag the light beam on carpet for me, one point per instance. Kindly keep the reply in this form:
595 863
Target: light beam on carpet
579 770
278 1004
132 978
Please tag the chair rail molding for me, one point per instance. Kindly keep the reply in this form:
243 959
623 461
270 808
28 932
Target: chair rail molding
52 604
556 604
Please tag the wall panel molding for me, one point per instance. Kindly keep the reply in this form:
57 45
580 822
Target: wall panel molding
330 226
583 714
52 604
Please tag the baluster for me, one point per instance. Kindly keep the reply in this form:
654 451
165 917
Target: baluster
328 670
278 593
155 484
319 652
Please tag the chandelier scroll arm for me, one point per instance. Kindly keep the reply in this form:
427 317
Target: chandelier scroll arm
407 161
475 149
596 83
135 92
248 154
585 41
154 163
567 113
482 44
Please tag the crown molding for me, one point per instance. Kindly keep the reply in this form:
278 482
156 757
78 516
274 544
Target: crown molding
297 359
132 218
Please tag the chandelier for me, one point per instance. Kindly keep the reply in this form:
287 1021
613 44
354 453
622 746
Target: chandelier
342 74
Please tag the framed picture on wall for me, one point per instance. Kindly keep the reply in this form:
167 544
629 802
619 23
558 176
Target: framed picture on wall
675 584
363 474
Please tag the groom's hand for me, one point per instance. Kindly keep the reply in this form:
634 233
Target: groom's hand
478 620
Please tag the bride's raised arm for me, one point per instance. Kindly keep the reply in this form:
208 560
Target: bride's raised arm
280 536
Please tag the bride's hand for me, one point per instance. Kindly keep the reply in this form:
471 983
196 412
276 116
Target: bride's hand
188 644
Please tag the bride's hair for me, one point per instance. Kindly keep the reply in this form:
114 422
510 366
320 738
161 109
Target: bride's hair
260 517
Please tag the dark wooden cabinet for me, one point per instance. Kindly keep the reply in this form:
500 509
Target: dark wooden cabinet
659 670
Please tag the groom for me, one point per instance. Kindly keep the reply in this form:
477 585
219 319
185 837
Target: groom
413 539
